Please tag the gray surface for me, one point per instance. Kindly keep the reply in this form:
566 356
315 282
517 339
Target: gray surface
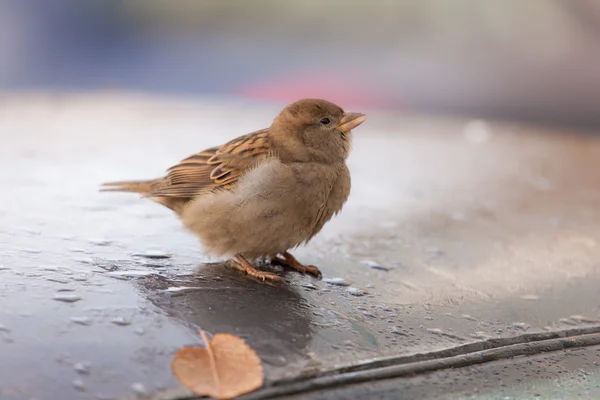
570 374
487 230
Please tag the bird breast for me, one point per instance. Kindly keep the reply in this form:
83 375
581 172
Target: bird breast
274 207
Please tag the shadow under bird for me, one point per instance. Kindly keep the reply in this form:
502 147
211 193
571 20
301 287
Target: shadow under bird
264 193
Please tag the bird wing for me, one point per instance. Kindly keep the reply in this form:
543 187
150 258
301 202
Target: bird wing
217 167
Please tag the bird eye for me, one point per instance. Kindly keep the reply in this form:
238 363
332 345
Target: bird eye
325 121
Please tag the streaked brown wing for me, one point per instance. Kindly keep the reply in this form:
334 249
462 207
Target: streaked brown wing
215 167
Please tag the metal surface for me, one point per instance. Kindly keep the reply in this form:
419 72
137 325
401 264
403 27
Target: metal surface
421 364
456 231
568 374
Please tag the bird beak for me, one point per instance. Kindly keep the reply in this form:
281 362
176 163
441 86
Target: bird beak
351 121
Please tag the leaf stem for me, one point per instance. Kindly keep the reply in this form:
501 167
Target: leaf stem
213 362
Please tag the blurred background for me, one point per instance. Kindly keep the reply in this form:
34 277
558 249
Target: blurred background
534 60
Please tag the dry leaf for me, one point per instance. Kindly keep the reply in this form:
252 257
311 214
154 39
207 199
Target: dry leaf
226 368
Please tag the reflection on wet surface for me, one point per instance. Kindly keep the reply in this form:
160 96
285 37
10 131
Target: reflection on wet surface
454 232
275 321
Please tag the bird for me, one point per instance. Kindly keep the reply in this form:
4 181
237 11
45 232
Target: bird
265 193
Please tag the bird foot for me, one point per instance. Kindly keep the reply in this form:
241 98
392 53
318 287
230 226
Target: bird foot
243 265
288 260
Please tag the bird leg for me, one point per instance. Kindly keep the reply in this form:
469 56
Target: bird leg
288 260
243 265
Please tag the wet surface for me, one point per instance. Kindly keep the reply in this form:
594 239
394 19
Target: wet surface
572 374
456 231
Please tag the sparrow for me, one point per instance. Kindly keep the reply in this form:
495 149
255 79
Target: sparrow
264 193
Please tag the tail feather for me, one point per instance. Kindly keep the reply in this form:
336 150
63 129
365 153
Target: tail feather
142 187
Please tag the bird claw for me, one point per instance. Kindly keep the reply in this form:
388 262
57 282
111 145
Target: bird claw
243 265
313 270
289 261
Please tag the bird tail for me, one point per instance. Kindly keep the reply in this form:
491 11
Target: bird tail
143 187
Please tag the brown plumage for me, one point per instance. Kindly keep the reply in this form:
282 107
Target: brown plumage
266 192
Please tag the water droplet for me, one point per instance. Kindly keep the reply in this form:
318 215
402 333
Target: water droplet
337 281
275 360
31 251
567 321
354 291
81 320
140 331
4 329
57 280
438 331
583 319
468 317
153 254
130 274
79 385
480 335
4 268
310 286
375 265
397 331
67 298
139 389
120 321
84 260
99 242
83 368
76 250
178 289
520 325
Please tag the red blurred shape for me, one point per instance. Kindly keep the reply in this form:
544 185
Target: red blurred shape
343 90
